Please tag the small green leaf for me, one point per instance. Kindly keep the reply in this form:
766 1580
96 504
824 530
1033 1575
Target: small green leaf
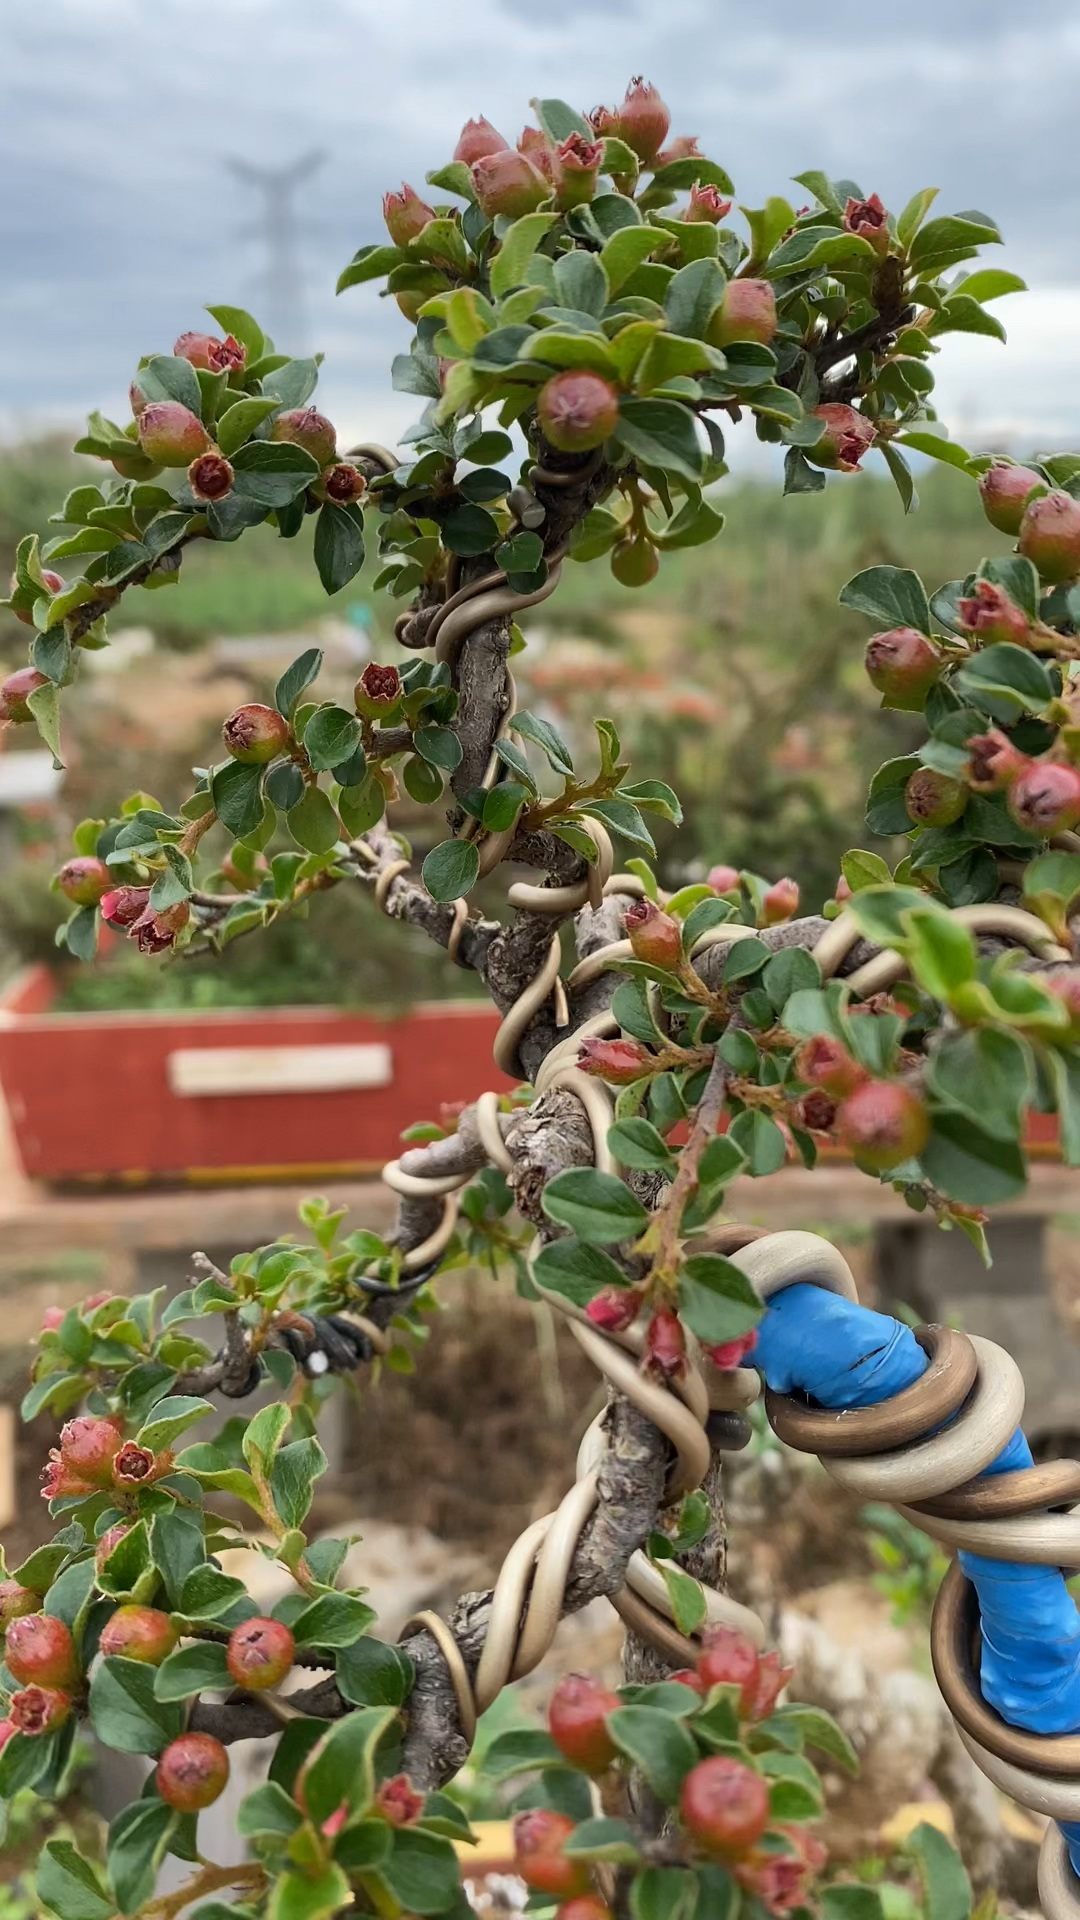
451 870
576 1269
894 595
69 1886
313 822
199 1668
330 736
662 434
716 1299
596 1206
656 1742
509 269
339 544
636 1143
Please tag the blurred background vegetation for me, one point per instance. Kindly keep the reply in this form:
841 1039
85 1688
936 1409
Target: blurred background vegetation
735 676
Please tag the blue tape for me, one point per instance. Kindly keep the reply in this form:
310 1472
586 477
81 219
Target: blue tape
844 1355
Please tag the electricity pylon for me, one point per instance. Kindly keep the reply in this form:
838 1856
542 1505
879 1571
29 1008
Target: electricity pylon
278 230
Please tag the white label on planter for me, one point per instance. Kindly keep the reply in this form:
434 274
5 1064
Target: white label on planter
199 1071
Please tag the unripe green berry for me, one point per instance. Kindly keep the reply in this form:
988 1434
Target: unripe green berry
635 561
934 799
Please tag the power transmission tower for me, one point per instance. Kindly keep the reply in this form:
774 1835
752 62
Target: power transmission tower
277 229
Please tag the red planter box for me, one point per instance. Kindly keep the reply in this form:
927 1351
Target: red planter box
272 1092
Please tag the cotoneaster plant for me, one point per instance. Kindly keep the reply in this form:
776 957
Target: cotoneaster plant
589 317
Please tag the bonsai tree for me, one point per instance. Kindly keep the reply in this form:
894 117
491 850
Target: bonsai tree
588 322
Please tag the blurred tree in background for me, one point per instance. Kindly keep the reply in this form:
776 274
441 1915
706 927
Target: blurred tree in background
738 678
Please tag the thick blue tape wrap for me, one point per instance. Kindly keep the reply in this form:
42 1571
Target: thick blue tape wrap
844 1355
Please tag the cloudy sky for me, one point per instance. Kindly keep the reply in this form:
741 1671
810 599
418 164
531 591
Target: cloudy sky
120 214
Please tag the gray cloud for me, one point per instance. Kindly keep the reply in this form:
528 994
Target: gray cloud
119 218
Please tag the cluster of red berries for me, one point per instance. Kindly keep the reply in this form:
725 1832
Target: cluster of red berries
41 1656
881 1122
94 1455
723 1802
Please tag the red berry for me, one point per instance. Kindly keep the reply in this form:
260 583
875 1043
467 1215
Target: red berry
1050 536
615 1309
124 905
619 1062
576 167
476 140
773 1677
732 1353
54 582
377 691
665 1344
779 902
729 1659
994 762
192 1772
171 435
1005 491
586 1906
723 879
136 1466
255 734
139 1633
577 1720
746 312
934 799
725 1805
903 665
16 1602
655 936
340 484
398 1801
643 119
15 694
825 1062
577 410
304 427
39 1709
210 477
1045 798
845 437
406 215
84 880
870 221
539 1837
538 149
40 1651
991 616
205 350
260 1653
816 1111
883 1123
88 1445
707 203
507 182
686 1677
